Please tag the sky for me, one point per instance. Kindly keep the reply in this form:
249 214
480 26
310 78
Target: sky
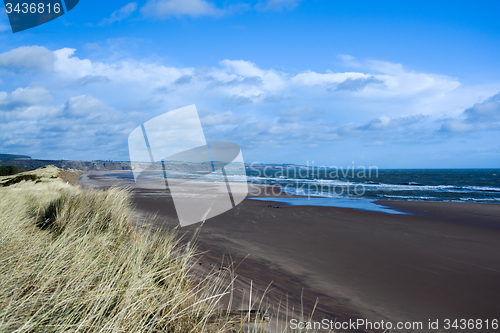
392 84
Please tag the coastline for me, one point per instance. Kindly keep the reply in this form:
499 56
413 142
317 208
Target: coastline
441 261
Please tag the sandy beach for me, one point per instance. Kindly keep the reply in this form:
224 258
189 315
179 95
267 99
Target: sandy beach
440 261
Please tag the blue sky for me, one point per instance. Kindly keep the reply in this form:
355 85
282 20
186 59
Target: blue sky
393 84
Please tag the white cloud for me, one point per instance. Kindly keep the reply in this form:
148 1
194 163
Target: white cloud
401 81
387 80
379 102
71 67
214 118
310 78
68 65
90 79
348 60
487 111
86 106
358 84
481 116
458 126
271 80
165 8
28 57
241 82
120 14
30 113
24 97
379 123
304 126
82 127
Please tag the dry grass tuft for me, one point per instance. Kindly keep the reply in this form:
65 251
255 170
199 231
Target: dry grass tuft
69 261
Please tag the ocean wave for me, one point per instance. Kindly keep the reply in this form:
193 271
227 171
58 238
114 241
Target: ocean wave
375 186
409 197
335 188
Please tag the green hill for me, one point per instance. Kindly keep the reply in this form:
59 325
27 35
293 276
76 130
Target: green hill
15 157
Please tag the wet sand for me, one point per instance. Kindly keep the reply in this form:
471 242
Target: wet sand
440 262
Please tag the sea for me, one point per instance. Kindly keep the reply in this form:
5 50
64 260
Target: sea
354 188
453 185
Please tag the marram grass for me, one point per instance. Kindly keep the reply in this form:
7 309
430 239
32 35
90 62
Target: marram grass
71 262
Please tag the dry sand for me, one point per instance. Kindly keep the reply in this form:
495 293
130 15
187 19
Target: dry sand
441 262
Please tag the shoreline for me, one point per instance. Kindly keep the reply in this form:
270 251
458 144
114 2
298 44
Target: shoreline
443 261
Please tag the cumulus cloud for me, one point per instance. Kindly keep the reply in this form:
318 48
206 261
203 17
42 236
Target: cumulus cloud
348 60
457 126
377 124
240 82
32 113
82 127
162 9
255 132
385 122
68 65
185 79
90 79
310 78
481 116
24 97
236 100
485 112
210 118
358 84
398 80
148 76
245 79
120 14
303 126
249 105
36 58
387 80
86 106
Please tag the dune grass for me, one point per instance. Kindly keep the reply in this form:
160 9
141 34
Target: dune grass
70 261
